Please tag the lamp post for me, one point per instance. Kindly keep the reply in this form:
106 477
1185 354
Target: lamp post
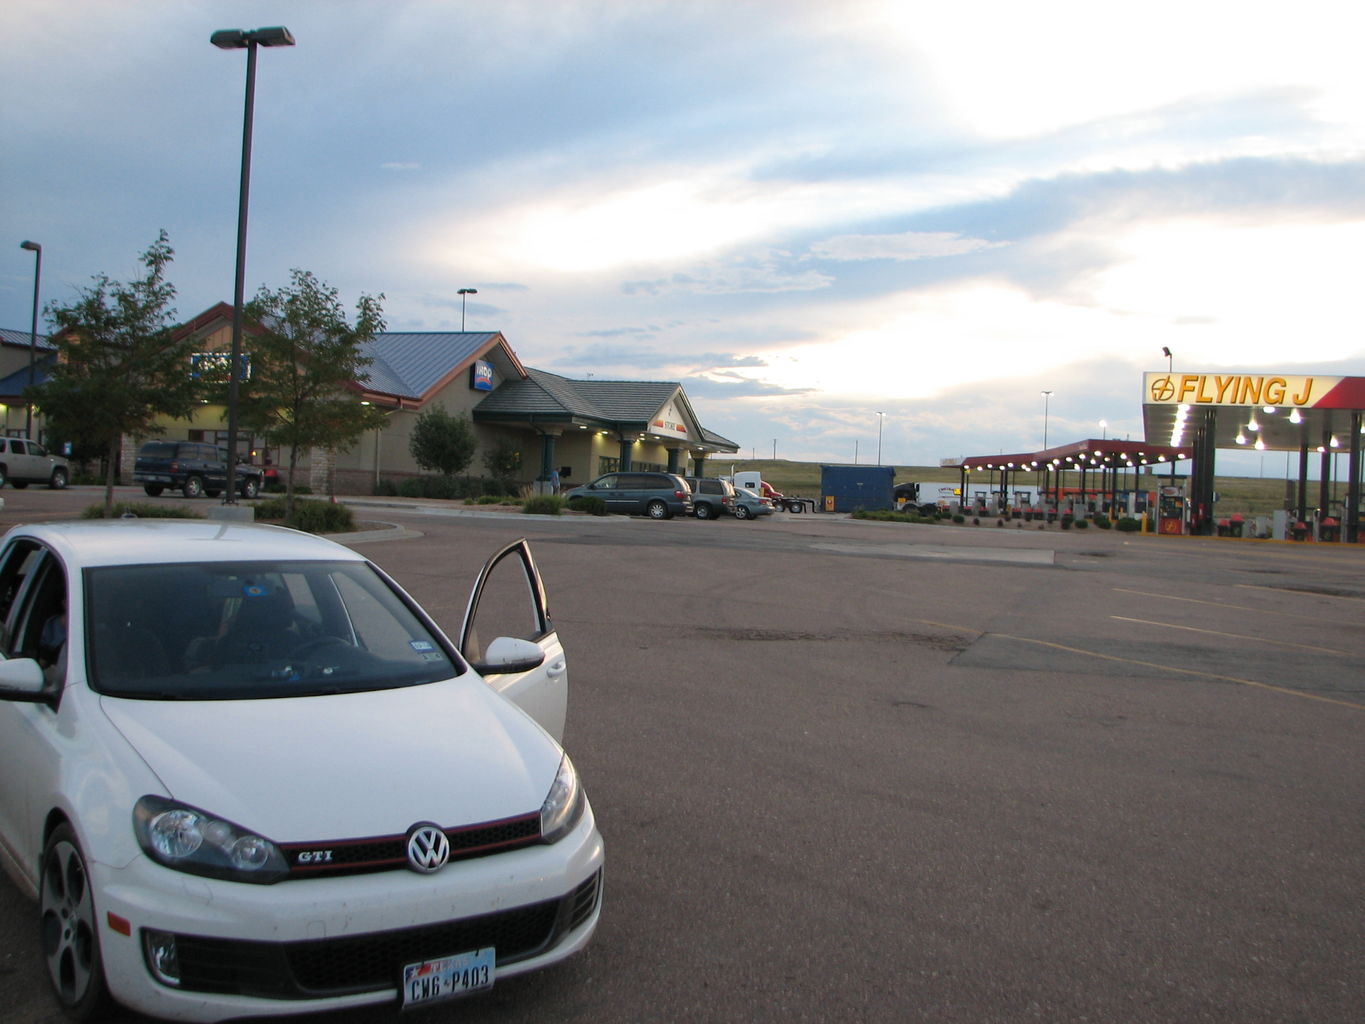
37 251
241 39
881 416
462 293
1170 360
1047 397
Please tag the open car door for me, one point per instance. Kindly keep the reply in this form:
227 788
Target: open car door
508 637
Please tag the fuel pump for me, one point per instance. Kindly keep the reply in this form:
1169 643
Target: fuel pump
1171 510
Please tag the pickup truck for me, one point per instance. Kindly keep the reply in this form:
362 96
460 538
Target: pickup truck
191 467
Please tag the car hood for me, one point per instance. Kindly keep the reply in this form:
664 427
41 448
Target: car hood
346 765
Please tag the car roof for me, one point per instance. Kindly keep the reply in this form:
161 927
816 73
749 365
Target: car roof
97 542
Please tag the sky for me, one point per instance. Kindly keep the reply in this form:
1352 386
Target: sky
853 230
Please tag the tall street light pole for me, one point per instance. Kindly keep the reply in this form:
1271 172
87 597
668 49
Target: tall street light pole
241 39
1047 397
37 251
463 293
1170 359
881 416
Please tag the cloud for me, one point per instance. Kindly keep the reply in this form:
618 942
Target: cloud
910 245
393 166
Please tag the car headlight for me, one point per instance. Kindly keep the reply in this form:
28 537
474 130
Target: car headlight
187 839
564 806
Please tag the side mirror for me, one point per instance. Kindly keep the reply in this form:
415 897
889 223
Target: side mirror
22 679
510 654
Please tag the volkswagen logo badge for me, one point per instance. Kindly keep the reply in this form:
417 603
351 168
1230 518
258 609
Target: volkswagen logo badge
428 848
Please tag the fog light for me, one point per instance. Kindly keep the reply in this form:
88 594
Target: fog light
162 959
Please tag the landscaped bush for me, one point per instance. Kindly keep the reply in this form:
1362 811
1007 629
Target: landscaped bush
142 510
1128 525
1081 524
544 505
592 505
311 515
385 488
1103 523
443 487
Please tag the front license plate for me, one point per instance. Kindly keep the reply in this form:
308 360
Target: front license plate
449 977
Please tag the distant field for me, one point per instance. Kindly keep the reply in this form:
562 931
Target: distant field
1247 495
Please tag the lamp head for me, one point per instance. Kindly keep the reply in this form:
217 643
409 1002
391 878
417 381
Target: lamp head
240 39
467 291
31 246
1165 352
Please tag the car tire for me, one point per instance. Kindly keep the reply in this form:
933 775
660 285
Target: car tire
59 478
251 487
796 507
742 512
153 490
70 928
703 511
657 510
194 487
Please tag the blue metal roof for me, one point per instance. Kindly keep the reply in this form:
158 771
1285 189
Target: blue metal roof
410 363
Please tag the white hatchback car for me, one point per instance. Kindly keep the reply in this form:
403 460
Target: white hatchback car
243 773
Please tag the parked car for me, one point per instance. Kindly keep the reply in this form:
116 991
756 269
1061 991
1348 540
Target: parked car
191 467
748 505
657 495
711 496
245 774
24 462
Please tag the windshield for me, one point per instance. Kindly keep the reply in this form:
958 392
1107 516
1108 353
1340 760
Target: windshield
221 631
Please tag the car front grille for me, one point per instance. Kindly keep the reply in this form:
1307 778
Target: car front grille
347 965
385 853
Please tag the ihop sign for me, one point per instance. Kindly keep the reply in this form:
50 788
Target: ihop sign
481 375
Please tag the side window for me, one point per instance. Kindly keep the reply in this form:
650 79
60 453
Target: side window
19 562
33 592
509 603
3 444
606 483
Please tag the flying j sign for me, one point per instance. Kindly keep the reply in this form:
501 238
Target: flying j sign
1245 389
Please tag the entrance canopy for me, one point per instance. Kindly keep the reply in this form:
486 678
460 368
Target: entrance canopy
1094 453
1261 411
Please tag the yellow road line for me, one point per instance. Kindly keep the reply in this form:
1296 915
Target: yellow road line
1232 636
1239 607
1152 664
1186 671
1314 593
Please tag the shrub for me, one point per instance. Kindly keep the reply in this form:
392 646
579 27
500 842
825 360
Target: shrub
1081 524
385 488
317 516
490 499
443 487
311 515
544 505
1103 523
958 517
142 510
592 505
1128 525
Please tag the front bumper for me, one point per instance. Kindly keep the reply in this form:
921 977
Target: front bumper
311 945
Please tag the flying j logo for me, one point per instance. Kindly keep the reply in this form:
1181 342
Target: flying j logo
1235 389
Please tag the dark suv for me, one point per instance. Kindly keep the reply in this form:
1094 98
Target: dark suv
191 467
711 497
657 495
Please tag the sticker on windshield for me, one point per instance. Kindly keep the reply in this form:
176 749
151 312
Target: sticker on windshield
421 645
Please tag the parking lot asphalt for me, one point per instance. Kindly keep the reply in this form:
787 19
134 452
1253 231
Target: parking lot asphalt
854 771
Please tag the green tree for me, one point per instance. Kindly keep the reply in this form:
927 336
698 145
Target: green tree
118 369
442 442
305 354
503 458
